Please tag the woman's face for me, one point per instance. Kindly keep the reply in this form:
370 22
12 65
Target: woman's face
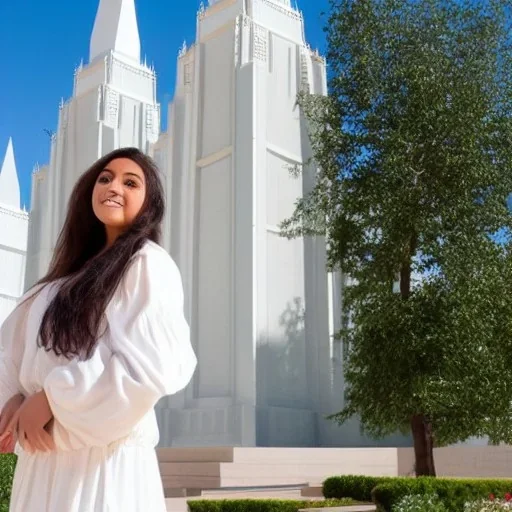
118 196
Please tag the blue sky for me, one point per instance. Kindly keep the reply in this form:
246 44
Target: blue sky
42 42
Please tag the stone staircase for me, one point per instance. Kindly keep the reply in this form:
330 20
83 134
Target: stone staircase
179 504
233 467
281 473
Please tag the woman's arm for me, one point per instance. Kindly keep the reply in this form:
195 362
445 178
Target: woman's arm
12 346
10 358
100 400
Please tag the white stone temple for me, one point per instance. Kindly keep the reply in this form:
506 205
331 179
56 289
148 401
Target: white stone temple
234 134
113 105
262 308
13 235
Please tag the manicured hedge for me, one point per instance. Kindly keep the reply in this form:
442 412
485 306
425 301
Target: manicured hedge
387 491
451 491
7 465
352 486
259 505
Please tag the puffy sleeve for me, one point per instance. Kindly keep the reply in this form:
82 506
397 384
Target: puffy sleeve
12 345
9 362
145 355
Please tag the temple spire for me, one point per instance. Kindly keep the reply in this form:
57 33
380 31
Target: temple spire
115 28
9 184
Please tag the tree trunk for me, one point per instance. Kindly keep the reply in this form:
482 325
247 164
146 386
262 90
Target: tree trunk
420 425
423 445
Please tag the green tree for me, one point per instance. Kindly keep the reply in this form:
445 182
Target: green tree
414 153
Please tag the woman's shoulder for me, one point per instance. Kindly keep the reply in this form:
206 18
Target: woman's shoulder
152 248
155 260
153 252
151 274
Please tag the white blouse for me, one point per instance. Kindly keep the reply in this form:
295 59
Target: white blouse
104 404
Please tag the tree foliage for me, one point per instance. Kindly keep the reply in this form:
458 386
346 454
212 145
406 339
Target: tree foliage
414 153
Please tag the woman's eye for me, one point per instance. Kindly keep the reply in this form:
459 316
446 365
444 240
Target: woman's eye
131 183
103 179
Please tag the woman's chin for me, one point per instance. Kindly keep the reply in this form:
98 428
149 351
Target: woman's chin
113 221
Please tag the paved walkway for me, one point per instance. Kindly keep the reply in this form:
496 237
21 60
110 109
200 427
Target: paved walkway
291 493
355 508
180 504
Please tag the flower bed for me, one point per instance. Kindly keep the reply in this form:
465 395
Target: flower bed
491 504
453 493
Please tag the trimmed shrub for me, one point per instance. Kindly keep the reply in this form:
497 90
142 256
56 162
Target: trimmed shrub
388 491
259 505
353 486
454 493
7 465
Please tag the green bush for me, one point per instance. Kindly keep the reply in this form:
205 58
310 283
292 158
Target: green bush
7 465
353 486
388 491
452 492
259 505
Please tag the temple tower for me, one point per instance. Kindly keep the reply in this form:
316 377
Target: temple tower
258 303
113 105
13 235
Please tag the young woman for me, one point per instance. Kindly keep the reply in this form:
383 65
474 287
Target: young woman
92 347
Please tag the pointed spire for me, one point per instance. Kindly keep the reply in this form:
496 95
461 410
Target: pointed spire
115 28
183 49
9 184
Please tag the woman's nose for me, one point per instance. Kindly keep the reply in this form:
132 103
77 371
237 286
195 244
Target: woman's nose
115 187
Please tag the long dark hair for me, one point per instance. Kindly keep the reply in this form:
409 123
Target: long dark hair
71 324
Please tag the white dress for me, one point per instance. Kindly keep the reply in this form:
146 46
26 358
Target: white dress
105 427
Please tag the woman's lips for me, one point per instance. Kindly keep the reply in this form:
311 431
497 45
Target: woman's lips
112 204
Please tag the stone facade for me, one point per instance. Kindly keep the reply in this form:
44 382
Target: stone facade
262 308
13 236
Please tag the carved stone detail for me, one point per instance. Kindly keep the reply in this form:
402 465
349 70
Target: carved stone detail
111 109
237 41
64 112
188 73
260 43
152 122
304 72
281 7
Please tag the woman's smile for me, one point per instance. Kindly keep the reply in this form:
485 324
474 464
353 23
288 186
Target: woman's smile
111 203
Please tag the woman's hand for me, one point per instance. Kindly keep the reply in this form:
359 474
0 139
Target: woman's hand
8 438
29 422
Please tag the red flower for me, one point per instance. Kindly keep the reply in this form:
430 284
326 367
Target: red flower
508 496
492 497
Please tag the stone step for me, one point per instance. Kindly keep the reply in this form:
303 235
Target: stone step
315 491
179 504
181 492
198 454
221 467
193 473
213 475
371 461
212 482
280 490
